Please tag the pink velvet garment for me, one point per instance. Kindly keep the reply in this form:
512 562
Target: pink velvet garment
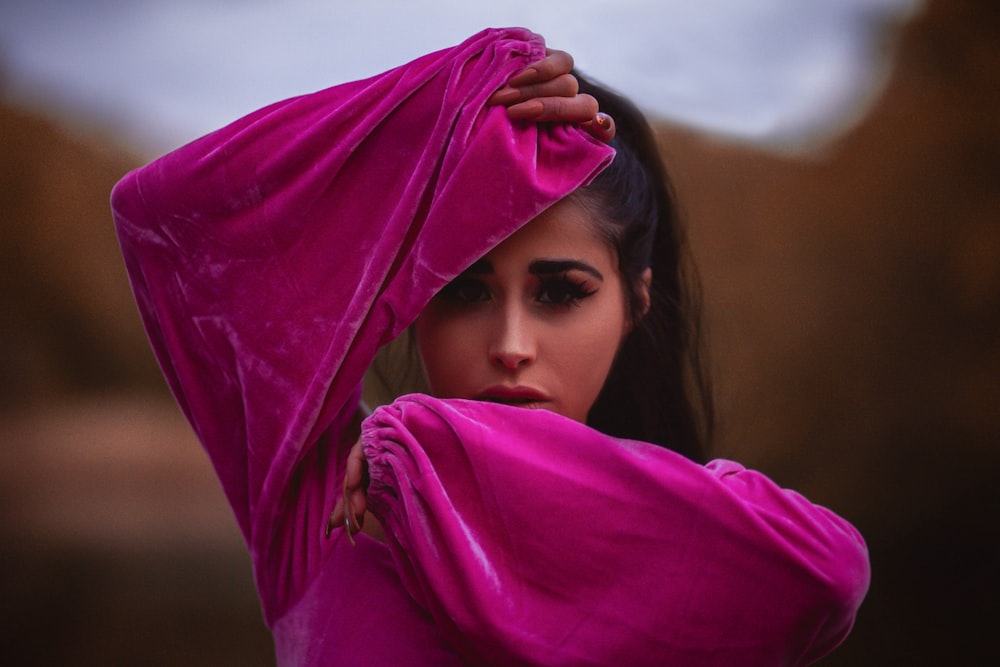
272 258
536 540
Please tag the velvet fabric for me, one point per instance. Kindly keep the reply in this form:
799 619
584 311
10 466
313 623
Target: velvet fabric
272 258
536 540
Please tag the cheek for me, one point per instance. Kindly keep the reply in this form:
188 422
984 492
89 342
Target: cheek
586 353
445 348
601 337
593 354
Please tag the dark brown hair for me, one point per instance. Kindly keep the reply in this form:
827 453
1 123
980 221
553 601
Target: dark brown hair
657 390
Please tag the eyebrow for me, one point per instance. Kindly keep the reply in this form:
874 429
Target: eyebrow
546 267
539 267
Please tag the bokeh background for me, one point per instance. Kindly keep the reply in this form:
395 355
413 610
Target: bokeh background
851 283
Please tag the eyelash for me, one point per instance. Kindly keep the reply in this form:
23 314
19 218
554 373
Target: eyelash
573 291
568 292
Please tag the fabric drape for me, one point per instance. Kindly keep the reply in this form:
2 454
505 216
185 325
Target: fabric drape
272 258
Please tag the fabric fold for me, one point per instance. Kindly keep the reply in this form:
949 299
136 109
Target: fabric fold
535 540
272 258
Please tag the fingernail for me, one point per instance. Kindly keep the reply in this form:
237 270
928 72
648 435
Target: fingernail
350 533
603 119
329 526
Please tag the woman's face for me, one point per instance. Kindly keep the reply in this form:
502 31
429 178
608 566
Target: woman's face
535 323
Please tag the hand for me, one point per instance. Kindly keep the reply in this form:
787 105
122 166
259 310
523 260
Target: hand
547 91
349 512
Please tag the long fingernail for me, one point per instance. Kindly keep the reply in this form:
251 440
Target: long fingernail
350 533
329 526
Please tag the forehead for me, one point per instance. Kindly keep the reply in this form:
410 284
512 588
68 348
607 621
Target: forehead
563 230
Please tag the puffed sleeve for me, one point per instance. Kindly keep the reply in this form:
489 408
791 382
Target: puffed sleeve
535 540
272 258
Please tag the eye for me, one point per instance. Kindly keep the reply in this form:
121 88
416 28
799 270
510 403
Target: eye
465 290
563 291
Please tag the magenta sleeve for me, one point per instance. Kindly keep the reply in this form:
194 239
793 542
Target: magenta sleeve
533 539
273 257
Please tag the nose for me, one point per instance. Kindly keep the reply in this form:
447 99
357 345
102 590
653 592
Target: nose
513 345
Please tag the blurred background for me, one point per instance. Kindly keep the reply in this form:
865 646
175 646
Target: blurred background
838 164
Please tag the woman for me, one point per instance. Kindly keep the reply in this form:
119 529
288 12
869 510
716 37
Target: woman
272 258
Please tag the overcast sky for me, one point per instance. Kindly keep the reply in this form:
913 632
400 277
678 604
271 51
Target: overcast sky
166 71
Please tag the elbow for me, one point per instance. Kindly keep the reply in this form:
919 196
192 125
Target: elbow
842 577
848 571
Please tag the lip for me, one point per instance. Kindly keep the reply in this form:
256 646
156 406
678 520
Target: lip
520 396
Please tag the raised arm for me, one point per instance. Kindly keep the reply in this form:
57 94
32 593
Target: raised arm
273 257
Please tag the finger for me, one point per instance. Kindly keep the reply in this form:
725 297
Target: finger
555 63
504 97
354 468
350 508
358 503
355 505
578 109
350 519
602 127
336 518
562 86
